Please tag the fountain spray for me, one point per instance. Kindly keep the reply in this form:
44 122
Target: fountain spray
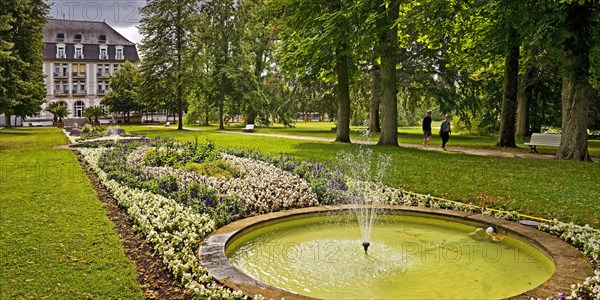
363 189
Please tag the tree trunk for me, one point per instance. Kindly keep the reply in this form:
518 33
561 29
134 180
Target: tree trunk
258 68
524 100
389 101
374 104
207 112
179 71
509 93
221 102
576 88
7 120
343 95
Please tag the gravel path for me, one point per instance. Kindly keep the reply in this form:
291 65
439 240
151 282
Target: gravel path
471 151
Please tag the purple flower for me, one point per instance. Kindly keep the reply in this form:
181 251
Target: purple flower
208 201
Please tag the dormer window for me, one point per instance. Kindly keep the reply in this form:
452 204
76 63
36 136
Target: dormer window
103 52
102 39
78 51
60 37
119 53
60 51
77 37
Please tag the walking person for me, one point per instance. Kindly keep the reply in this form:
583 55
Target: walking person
426 129
445 131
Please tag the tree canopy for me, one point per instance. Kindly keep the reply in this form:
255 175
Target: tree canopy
22 87
492 64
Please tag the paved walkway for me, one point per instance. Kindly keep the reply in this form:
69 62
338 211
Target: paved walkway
471 151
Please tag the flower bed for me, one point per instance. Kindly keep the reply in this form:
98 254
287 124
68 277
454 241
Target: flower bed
88 133
175 206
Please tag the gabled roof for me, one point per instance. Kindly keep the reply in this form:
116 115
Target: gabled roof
90 32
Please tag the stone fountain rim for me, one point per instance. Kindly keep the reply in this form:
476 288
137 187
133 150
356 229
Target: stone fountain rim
572 266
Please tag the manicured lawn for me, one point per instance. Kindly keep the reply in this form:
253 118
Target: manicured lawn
406 135
55 239
567 190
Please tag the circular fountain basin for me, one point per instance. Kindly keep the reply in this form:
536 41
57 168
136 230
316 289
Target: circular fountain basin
414 253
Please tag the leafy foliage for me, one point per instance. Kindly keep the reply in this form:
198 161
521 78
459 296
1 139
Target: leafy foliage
123 96
22 88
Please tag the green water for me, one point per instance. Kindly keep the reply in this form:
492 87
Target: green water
410 257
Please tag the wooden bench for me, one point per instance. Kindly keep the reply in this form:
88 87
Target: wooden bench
167 124
543 139
248 128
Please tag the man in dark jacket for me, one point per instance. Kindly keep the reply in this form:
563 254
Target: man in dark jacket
426 129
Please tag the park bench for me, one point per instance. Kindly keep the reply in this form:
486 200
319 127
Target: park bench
167 124
248 128
543 139
36 124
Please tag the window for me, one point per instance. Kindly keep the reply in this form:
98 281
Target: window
77 37
102 38
60 51
74 88
78 108
100 90
119 53
65 71
65 88
60 37
82 87
57 86
78 52
99 70
103 52
106 69
116 67
78 69
56 69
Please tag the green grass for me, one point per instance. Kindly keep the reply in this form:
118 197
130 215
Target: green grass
567 190
55 239
406 135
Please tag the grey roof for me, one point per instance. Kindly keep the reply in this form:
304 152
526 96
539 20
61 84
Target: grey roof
90 31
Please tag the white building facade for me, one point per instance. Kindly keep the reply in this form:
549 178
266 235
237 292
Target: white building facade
79 58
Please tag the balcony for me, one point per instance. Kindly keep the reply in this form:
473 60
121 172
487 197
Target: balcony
80 56
80 74
61 74
61 93
79 93
101 74
103 56
101 92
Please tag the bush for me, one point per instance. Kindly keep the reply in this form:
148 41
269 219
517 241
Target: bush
216 168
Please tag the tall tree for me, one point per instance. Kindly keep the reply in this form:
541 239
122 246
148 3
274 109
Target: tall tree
22 87
389 48
222 31
123 97
165 26
576 89
510 86
319 47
